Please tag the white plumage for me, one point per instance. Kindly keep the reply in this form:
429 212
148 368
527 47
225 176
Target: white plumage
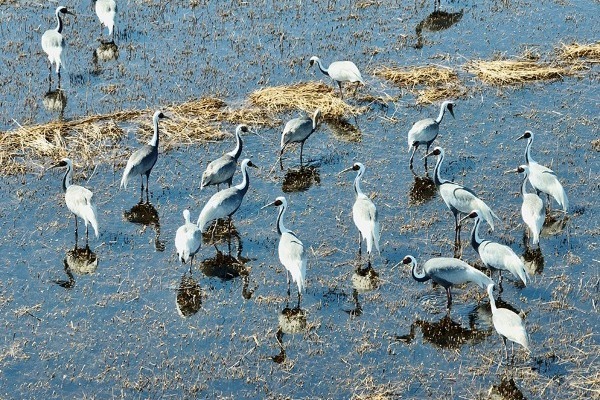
458 198
426 130
507 323
532 209
188 239
340 71
106 11
226 202
495 255
79 200
447 272
223 168
297 130
53 41
291 249
364 213
543 179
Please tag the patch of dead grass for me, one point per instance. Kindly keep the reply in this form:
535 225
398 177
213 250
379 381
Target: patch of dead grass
574 52
410 77
516 71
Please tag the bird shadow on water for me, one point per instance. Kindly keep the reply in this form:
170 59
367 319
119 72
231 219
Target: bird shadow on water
189 296
437 21
144 213
78 261
291 321
106 51
506 389
301 179
364 280
422 190
55 101
344 130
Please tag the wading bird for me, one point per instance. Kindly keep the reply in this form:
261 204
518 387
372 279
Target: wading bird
143 159
79 200
425 131
291 250
532 209
340 71
508 324
226 202
543 179
222 169
188 240
494 255
53 42
364 214
458 198
297 130
106 11
447 271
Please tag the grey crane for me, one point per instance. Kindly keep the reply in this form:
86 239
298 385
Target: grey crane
53 41
543 179
291 250
508 324
222 169
364 214
340 71
494 255
297 130
458 198
143 159
79 200
225 203
425 131
106 11
188 240
447 272
532 208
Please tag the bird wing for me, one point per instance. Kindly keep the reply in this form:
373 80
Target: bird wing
422 131
293 257
501 257
345 71
141 161
187 241
465 201
296 130
220 205
532 211
455 271
219 170
364 214
80 202
545 180
511 326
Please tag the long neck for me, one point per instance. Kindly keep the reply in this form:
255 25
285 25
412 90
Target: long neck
492 300
238 146
67 178
441 114
528 158
280 227
437 177
419 277
524 186
322 68
246 180
475 239
357 189
59 24
154 141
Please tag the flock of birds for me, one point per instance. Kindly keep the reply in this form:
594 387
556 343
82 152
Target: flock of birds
460 200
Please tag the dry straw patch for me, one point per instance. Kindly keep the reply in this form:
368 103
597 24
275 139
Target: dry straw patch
304 96
576 51
514 72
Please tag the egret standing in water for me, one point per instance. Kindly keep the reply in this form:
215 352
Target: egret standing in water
222 169
297 130
532 209
458 198
291 250
494 255
425 131
225 203
53 42
340 71
106 11
543 179
188 240
447 272
508 324
143 159
364 214
79 200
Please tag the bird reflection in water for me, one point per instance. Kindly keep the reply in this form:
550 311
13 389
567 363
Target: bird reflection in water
106 51
189 296
55 100
363 280
436 21
507 389
344 130
145 214
79 261
291 321
227 267
300 180
533 260
422 190
553 225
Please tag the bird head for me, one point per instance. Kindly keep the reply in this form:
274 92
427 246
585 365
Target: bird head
278 202
242 128
312 61
408 260
526 135
160 115
64 10
356 167
472 214
520 169
450 107
62 163
436 152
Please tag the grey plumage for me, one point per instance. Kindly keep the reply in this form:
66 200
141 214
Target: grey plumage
223 168
188 240
297 130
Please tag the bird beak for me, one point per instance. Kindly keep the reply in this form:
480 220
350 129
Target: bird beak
345 170
521 137
462 219
510 171
267 205
69 12
427 155
452 113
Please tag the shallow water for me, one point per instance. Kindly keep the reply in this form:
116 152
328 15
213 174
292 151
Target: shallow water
117 330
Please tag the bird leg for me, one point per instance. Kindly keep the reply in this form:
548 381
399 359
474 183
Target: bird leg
75 232
359 245
356 88
410 162
340 85
426 152
301 149
449 296
147 184
287 275
86 236
299 298
281 158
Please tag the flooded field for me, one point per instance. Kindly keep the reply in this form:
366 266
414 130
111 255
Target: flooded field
125 319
